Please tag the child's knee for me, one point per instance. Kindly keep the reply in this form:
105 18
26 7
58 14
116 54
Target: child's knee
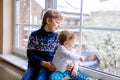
56 76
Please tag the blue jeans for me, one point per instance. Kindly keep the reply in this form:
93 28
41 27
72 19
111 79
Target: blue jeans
61 75
36 74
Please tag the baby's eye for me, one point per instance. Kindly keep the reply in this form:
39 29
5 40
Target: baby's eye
57 22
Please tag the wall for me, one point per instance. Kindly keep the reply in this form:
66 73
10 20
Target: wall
1 26
6 26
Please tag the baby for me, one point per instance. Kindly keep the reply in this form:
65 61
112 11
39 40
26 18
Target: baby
66 53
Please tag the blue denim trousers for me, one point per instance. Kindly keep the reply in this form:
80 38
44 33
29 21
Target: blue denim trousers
33 73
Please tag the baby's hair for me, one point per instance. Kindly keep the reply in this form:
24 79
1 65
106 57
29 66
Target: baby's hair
52 14
66 35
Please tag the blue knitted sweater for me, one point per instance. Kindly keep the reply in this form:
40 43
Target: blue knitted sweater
41 46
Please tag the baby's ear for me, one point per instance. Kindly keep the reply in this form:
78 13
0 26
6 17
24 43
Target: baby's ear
65 43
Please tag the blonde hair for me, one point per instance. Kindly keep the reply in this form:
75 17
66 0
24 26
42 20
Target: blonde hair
52 14
66 36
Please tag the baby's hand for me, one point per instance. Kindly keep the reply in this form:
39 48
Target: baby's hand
69 67
74 73
82 58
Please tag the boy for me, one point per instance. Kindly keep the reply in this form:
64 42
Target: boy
41 47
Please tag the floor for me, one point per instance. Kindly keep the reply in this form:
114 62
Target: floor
9 72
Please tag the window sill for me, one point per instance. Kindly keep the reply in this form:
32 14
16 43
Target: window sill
22 64
15 60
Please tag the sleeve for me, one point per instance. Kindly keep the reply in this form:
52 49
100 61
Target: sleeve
76 64
72 56
32 55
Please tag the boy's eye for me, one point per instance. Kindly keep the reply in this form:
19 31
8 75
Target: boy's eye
58 21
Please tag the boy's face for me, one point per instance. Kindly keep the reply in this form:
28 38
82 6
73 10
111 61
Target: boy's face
54 24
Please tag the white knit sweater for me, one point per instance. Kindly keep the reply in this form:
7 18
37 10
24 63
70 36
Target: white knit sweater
64 56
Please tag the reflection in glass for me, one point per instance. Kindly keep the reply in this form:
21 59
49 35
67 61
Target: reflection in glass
108 45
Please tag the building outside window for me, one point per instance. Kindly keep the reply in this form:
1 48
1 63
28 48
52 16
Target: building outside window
95 22
28 19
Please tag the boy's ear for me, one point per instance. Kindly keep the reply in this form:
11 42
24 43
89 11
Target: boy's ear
48 20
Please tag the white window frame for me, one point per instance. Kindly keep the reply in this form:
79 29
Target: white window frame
90 72
48 4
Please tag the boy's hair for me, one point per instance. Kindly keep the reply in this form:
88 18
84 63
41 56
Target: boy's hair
52 14
66 36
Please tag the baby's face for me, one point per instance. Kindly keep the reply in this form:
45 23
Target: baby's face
70 44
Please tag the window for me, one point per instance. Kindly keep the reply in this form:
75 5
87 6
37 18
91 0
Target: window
71 12
95 22
28 19
101 30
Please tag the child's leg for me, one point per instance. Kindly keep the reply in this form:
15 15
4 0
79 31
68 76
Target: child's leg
29 73
80 76
43 74
67 75
56 76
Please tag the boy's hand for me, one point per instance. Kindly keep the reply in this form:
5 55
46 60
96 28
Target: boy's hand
51 67
48 65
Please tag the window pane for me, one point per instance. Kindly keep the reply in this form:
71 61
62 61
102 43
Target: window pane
101 13
71 12
100 33
68 6
107 44
28 19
